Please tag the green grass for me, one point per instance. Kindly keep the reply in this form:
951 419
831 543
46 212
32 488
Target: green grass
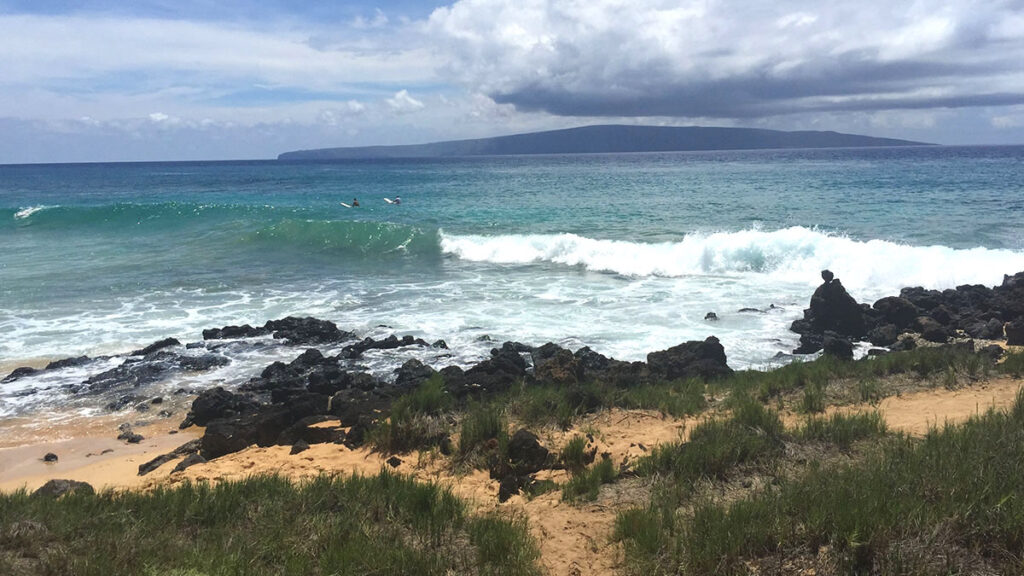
948 503
416 420
574 454
586 484
1013 365
383 524
842 430
752 433
483 426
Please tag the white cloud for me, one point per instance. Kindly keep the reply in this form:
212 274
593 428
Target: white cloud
402 103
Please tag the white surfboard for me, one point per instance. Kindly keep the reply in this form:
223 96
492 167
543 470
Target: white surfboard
389 200
345 205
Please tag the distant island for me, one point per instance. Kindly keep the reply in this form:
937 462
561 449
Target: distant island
607 139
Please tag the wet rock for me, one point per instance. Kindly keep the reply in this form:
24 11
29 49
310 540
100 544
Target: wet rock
231 332
202 363
441 344
835 345
300 446
121 403
130 374
413 373
306 331
525 452
158 345
57 488
694 359
19 373
390 343
50 457
810 342
711 317
70 362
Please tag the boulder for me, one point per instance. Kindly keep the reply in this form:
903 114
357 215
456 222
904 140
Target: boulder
219 403
1015 333
413 373
835 345
931 330
832 308
50 458
525 453
896 311
694 359
300 446
57 488
884 335
225 436
554 364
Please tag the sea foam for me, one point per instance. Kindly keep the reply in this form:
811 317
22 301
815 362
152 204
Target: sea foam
875 267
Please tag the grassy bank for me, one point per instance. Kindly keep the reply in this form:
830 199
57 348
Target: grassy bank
949 503
385 524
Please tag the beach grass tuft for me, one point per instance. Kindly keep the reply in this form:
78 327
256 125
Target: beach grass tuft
387 523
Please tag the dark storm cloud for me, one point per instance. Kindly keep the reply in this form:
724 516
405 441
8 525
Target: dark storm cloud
724 59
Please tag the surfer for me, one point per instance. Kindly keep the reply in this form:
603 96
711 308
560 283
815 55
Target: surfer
355 202
398 200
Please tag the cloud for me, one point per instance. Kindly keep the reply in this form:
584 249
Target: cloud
402 103
731 58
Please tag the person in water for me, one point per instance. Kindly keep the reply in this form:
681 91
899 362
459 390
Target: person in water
355 202
398 200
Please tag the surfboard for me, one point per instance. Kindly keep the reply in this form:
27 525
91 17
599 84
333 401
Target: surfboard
345 205
389 200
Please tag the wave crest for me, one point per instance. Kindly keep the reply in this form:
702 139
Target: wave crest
792 254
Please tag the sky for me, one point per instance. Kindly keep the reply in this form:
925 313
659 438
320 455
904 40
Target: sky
110 80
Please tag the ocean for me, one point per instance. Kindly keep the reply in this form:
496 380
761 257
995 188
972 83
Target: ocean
624 253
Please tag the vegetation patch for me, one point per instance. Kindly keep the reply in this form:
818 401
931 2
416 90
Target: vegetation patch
587 484
947 503
384 524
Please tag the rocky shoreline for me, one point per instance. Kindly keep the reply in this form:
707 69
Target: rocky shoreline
326 398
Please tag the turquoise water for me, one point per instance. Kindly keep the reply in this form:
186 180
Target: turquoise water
624 253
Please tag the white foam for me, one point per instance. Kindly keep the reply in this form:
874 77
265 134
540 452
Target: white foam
26 212
869 269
